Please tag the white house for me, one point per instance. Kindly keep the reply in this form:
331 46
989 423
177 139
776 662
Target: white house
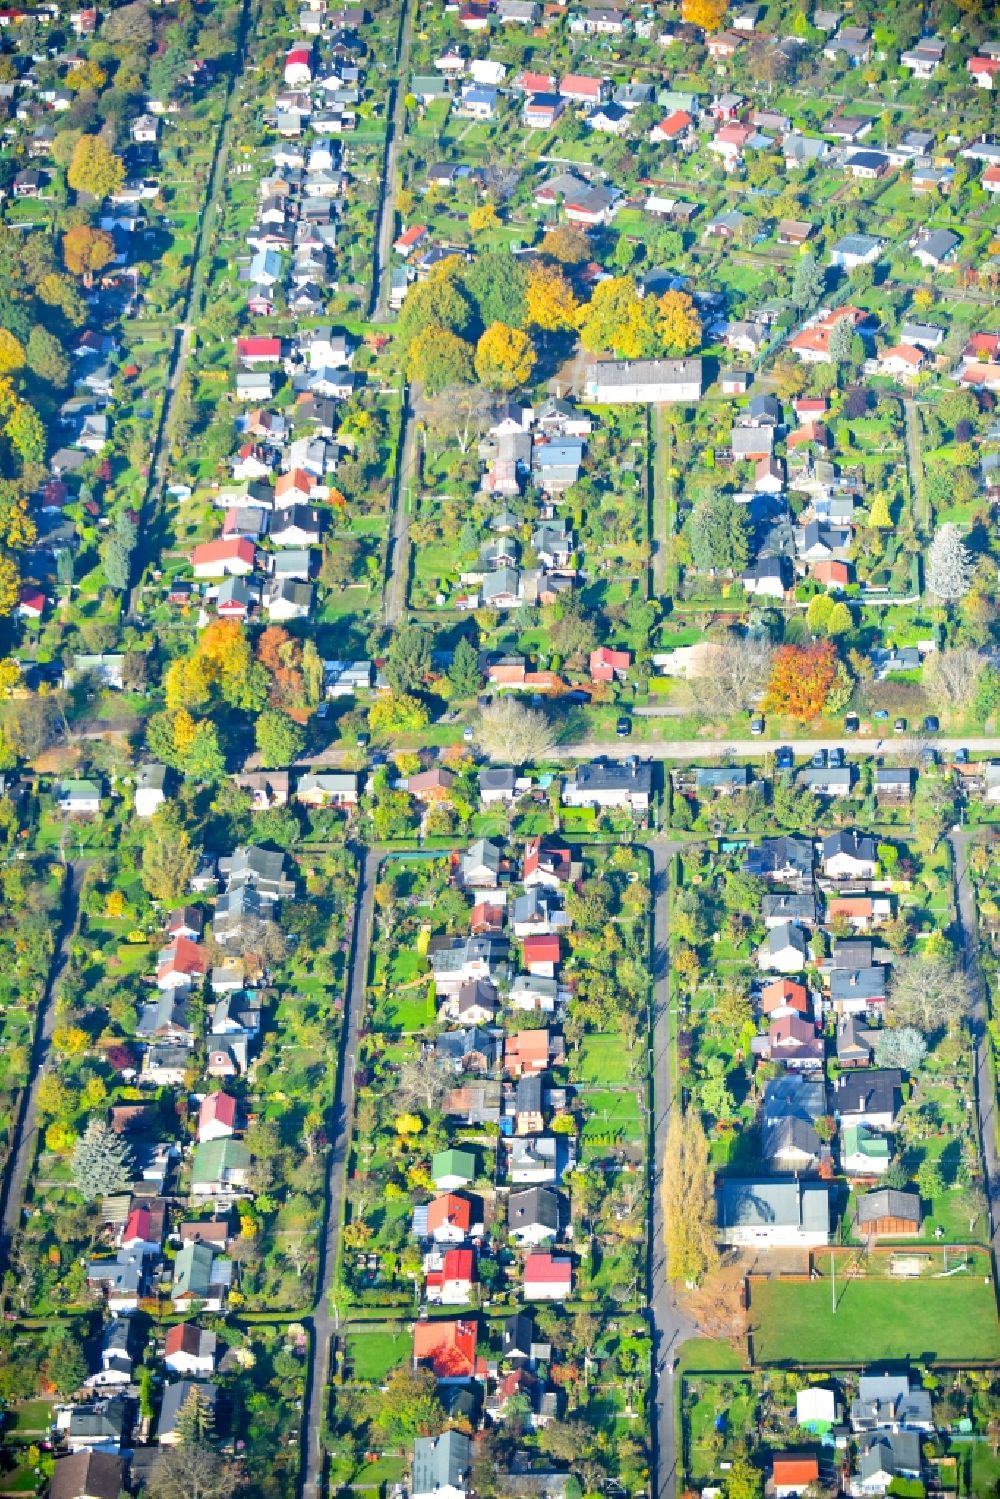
149 789
190 1349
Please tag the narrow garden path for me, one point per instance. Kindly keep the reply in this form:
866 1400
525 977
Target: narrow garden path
325 1318
22 1153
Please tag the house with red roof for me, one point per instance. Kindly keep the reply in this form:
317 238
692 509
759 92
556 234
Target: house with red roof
449 1218
984 71
902 361
536 83
448 1349
784 997
217 1117
546 863
450 1282
143 1231
31 602
410 240
190 1349
812 343
990 180
675 127
832 573
527 1052
608 665
230 557
547 1277
293 488
181 964
729 143
541 955
258 349
298 67
792 1473
581 89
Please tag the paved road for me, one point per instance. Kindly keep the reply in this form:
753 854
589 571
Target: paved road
386 212
670 1326
181 347
985 1095
707 749
23 1149
398 558
324 1318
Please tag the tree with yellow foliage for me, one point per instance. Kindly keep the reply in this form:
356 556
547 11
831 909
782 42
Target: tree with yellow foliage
86 250
708 14
86 76
10 676
550 299
483 219
617 318
505 357
187 683
12 355
680 325
10 585
95 170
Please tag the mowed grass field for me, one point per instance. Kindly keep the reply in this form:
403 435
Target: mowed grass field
944 1321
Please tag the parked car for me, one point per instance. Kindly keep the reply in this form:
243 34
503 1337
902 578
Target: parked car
852 723
899 727
931 723
818 761
757 724
881 714
961 757
837 758
784 757
623 728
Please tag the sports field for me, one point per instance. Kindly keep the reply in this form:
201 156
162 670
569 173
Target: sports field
929 1320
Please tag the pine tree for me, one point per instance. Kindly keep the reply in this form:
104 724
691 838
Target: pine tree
808 282
688 1200
949 564
102 1161
196 1420
463 673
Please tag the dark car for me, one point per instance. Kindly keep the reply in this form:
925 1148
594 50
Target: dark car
623 728
784 757
852 723
362 741
961 757
931 724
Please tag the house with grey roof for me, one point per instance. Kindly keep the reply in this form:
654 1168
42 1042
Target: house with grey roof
935 248
768 1213
441 1466
175 1397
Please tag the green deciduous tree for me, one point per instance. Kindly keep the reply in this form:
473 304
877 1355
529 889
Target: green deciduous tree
280 740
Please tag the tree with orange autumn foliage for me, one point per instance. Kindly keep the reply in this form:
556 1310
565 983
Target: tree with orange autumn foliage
708 14
801 677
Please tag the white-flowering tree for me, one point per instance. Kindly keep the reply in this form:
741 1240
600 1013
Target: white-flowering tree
949 564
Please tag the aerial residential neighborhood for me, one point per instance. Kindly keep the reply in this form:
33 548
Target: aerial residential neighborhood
499 750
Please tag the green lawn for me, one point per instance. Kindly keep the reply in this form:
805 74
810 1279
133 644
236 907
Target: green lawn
927 1319
374 1351
612 1113
603 1060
